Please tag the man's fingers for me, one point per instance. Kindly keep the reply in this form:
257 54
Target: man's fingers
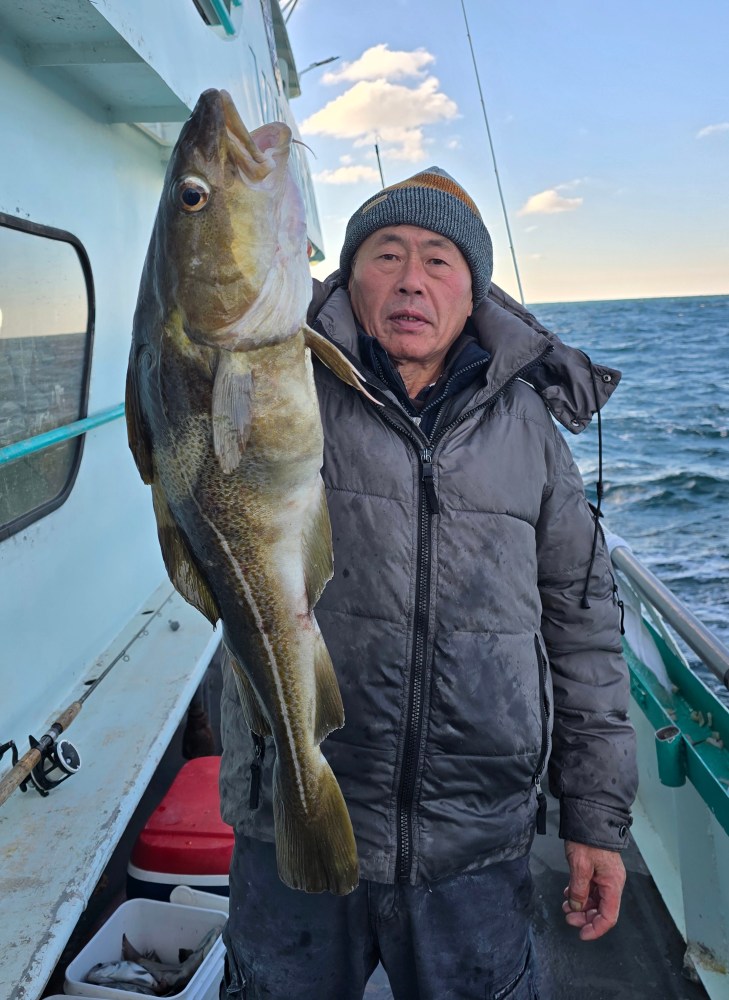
579 888
592 898
606 915
597 917
596 927
591 903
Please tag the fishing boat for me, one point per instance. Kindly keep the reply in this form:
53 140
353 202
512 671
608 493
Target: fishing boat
100 656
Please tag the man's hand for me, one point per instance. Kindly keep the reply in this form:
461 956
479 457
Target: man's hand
596 884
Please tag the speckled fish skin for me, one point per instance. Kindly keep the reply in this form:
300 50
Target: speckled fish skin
224 425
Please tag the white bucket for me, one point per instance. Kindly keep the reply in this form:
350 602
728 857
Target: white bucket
150 924
187 896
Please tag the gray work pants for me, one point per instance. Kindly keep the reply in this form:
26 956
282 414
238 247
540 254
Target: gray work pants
462 938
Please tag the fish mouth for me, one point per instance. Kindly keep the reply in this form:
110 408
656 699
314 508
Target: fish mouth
249 156
215 126
256 153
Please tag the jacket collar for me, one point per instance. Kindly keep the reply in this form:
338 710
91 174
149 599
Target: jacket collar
572 387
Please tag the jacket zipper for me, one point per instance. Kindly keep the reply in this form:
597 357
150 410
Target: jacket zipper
427 507
544 750
444 391
414 727
534 363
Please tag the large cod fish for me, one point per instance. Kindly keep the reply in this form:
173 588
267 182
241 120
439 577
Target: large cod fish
224 425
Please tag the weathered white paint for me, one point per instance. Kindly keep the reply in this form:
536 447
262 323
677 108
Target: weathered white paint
53 850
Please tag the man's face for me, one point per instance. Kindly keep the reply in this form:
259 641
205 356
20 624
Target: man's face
411 289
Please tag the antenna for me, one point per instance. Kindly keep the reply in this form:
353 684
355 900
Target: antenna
290 7
377 153
493 156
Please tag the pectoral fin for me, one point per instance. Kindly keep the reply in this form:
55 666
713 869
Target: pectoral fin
183 572
332 357
231 410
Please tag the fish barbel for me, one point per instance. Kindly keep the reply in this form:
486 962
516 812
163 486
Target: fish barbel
224 425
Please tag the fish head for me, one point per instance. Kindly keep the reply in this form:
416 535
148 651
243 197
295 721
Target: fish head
231 230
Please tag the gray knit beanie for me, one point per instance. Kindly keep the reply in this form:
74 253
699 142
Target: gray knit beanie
431 200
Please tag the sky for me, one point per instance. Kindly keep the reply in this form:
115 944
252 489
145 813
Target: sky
610 123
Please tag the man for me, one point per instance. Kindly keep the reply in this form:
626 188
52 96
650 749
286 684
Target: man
473 625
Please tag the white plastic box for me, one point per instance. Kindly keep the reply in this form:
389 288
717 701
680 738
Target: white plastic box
150 924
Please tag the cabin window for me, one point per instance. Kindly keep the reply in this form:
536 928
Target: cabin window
219 13
46 328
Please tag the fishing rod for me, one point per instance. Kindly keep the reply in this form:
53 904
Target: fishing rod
379 164
50 760
493 155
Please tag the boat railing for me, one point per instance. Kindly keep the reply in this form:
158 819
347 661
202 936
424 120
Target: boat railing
681 814
39 442
710 650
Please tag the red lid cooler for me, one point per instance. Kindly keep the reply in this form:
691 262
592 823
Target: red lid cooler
185 842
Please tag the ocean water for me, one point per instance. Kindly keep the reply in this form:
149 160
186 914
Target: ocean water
665 436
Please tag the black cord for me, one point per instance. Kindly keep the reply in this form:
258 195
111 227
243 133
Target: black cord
597 512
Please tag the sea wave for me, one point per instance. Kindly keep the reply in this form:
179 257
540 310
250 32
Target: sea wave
666 436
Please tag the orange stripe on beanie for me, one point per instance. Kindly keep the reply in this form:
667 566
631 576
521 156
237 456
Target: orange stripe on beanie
433 200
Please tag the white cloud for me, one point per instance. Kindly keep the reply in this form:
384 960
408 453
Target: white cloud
712 130
380 63
346 159
348 175
454 143
394 112
548 203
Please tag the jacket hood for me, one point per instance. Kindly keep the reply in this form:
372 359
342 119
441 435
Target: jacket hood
571 385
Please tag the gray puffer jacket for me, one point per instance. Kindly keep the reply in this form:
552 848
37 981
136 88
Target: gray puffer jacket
455 618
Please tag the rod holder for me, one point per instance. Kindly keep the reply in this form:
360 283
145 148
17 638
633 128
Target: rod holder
671 754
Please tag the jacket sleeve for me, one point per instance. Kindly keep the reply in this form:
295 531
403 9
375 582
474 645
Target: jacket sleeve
592 769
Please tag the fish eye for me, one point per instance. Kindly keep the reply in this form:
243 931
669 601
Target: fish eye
192 194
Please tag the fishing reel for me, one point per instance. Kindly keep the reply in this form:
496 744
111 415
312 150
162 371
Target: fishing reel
59 759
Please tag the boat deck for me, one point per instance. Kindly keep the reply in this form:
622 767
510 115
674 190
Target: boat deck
640 958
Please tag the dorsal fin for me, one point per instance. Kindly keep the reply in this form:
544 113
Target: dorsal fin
252 713
181 567
137 433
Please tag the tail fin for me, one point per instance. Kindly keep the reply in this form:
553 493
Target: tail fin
316 853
